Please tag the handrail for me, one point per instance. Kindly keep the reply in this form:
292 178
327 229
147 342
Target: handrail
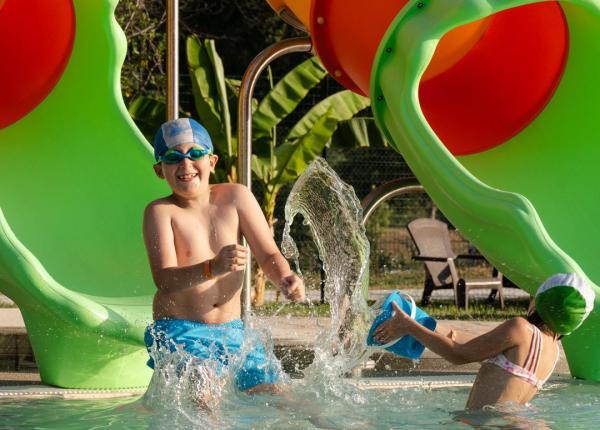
172 59
387 191
255 68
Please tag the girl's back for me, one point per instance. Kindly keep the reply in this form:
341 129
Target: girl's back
517 373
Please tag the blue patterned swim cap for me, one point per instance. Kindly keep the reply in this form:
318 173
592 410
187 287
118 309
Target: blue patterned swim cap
180 131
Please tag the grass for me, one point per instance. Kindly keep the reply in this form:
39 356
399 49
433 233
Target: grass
479 310
5 305
285 308
413 276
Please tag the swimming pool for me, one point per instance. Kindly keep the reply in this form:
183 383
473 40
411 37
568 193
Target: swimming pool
344 404
321 399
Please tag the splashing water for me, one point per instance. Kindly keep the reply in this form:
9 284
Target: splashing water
333 213
196 390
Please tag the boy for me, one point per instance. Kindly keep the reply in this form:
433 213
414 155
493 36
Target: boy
192 240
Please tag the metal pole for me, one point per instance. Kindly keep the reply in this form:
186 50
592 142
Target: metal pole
172 59
255 68
387 191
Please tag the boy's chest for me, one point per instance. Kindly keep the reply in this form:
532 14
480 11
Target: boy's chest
196 233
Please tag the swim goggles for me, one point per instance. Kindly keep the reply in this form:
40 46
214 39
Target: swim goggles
173 156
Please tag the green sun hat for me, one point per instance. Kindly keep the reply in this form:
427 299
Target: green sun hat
564 301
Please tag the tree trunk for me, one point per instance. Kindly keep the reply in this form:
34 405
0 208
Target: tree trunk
260 279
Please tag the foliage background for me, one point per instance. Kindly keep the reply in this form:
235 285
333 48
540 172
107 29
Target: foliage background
241 29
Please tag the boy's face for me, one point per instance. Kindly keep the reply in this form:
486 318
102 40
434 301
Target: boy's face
188 178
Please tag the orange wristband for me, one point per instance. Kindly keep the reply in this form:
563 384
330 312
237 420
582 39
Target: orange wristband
206 270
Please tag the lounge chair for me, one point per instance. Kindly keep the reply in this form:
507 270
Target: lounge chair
435 251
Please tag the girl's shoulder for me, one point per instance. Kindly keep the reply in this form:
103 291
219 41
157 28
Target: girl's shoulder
519 328
519 323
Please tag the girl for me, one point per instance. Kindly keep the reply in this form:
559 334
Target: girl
518 356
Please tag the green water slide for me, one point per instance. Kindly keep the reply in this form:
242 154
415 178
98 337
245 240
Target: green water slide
494 106
530 200
76 175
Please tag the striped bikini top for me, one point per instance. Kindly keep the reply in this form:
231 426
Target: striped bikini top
527 372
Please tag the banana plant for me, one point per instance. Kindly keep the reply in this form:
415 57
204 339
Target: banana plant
358 132
275 162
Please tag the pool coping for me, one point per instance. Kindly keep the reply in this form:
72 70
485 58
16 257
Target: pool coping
41 391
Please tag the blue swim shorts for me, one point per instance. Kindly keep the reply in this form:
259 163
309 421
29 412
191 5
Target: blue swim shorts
228 344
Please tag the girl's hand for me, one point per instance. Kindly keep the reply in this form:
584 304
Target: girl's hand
393 328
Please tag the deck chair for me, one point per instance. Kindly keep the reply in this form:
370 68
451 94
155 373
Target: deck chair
433 245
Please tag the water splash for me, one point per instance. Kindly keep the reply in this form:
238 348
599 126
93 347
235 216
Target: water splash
333 213
196 390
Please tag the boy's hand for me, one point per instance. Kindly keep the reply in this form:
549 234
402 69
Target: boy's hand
231 258
394 327
292 288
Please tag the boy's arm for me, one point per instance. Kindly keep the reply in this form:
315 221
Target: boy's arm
158 237
255 229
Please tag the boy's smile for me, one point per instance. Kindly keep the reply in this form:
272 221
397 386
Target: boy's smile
187 177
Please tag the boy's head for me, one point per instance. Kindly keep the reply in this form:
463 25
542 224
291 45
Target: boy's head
184 154
178 132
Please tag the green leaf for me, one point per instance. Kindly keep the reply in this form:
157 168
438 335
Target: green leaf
342 106
233 93
286 95
203 72
358 132
261 167
233 84
220 84
148 115
295 156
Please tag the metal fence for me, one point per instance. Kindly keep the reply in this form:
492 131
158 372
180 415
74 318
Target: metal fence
364 168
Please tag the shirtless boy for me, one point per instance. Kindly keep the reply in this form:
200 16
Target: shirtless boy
192 238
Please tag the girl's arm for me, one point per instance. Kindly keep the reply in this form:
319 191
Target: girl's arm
455 335
501 338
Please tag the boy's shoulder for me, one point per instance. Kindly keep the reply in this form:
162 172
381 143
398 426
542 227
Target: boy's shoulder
158 206
161 202
229 191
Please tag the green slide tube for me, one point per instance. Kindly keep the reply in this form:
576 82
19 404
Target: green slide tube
76 177
530 204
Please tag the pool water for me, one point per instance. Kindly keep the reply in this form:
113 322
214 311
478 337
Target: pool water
323 398
565 404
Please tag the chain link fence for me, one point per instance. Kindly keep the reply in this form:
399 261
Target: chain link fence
365 169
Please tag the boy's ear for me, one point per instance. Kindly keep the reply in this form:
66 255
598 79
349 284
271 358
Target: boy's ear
158 170
213 161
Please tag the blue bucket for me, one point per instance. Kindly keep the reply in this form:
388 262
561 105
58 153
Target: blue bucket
406 346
